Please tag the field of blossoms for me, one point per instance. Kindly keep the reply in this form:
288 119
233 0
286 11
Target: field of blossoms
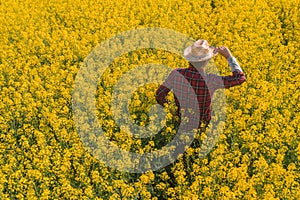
42 47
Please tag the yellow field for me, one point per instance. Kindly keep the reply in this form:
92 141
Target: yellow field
42 47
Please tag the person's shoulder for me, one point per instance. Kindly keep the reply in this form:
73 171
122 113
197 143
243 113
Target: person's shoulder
180 70
177 70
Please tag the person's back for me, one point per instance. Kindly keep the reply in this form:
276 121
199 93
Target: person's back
204 85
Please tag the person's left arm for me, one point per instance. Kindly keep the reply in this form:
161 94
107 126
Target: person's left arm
236 78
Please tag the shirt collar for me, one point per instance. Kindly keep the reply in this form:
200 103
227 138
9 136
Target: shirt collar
192 68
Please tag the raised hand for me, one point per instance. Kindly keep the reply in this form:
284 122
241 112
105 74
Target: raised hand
224 51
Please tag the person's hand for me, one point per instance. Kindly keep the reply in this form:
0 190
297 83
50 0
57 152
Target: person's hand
224 51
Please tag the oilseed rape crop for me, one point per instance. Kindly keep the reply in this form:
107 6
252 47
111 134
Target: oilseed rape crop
44 45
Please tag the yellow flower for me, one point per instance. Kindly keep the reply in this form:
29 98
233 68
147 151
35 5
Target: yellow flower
43 46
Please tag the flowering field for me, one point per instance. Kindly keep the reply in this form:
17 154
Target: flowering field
43 45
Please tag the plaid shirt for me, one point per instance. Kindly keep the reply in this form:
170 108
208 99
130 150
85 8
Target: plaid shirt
204 86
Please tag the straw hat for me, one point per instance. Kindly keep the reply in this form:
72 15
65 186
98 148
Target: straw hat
199 51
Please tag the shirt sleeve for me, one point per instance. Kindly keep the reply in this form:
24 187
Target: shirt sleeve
161 94
237 77
234 65
164 89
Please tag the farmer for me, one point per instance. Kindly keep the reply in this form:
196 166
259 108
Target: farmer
204 85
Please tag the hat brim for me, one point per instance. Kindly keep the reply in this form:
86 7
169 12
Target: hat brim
191 58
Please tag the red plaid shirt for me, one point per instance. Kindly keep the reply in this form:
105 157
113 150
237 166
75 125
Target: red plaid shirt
204 86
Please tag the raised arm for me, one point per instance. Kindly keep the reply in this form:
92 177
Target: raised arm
237 77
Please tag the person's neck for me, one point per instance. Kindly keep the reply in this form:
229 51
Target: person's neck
198 66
